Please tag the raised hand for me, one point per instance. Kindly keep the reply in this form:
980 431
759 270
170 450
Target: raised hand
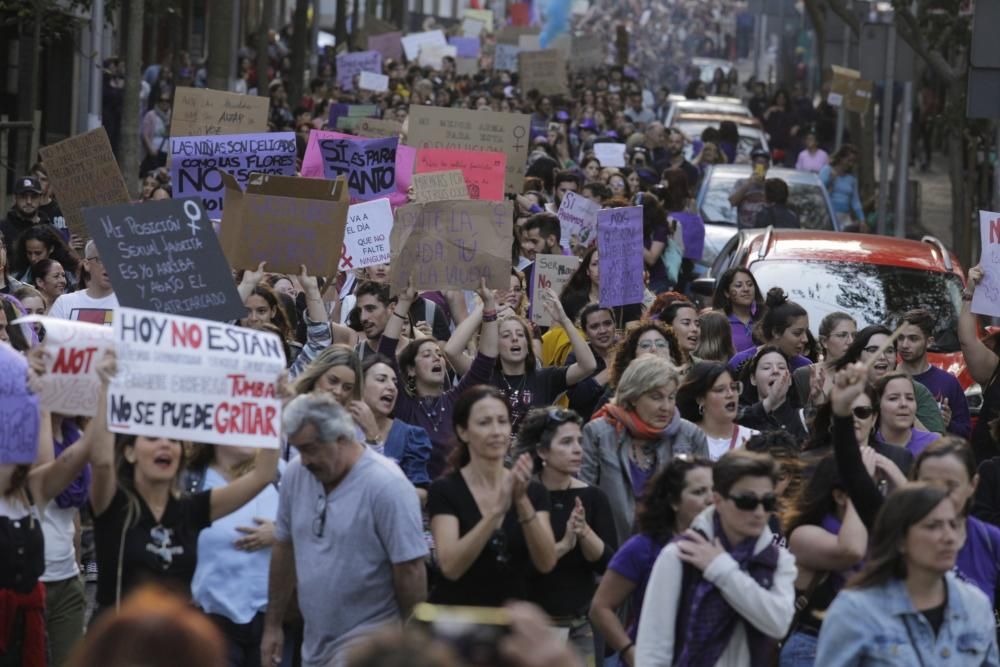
253 278
848 384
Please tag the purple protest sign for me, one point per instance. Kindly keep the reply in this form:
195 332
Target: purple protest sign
19 416
468 47
389 44
351 64
693 233
368 164
195 163
619 252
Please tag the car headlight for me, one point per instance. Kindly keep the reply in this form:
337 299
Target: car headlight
974 396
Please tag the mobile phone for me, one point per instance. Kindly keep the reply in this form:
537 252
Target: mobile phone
555 127
759 170
473 632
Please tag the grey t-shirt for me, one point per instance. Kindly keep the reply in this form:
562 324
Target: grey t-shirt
345 577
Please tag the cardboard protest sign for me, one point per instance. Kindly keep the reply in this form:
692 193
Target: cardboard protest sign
452 245
83 172
203 112
368 164
986 298
550 272
165 256
505 57
466 66
376 128
511 34
19 416
192 379
440 186
484 16
438 127
465 47
544 71
70 385
351 110
610 154
619 251
529 42
366 237
350 65
413 42
389 44
577 217
286 222
378 83
431 55
195 163
483 171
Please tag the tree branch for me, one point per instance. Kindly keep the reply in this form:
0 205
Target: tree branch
841 9
908 29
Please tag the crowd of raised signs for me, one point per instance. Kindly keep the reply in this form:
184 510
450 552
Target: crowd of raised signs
422 344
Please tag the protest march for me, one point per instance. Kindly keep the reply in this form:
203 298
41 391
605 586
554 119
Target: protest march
591 333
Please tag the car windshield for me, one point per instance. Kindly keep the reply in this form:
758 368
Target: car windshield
750 138
806 199
872 293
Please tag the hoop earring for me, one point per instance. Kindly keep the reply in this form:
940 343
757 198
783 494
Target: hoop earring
701 408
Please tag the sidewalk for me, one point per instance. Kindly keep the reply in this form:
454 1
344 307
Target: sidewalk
935 202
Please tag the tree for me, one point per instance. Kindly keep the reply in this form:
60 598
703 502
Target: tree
300 42
263 42
220 33
130 142
340 23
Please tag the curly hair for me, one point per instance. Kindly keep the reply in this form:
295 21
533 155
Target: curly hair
625 352
655 516
48 236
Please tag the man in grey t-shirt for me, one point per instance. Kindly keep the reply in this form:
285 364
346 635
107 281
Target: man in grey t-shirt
349 535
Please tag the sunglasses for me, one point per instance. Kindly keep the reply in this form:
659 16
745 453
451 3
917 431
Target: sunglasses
560 415
498 545
863 411
748 502
319 523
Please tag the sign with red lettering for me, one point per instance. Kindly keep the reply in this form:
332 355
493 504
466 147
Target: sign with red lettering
70 385
192 379
986 298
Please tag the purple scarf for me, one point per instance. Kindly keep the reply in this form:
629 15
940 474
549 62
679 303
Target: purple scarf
74 495
705 621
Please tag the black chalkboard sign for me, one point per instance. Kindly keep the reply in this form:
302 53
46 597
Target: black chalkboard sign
164 256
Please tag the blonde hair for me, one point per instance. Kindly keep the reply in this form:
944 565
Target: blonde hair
643 375
335 355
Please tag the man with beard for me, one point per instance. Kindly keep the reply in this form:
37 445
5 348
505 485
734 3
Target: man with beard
673 157
349 538
374 307
540 236
598 325
25 212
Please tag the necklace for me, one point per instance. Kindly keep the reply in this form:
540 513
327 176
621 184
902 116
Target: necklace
642 457
436 412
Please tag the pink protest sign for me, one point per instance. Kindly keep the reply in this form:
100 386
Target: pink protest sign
312 163
484 171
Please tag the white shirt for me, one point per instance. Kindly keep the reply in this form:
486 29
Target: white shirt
719 446
83 307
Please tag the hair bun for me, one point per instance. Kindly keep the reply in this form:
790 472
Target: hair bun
775 297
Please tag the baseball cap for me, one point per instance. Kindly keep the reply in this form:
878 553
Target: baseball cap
28 184
588 124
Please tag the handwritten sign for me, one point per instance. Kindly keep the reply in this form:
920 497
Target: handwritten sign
619 250
465 47
550 272
483 171
377 128
577 217
366 237
368 164
286 221
192 379
165 256
452 245
413 42
440 186
438 127
610 154
84 172
70 385
19 416
986 298
350 65
203 112
389 44
431 55
484 16
505 57
378 83
196 161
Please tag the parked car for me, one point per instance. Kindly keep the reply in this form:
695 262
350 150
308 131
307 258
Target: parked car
750 131
873 278
806 196
685 106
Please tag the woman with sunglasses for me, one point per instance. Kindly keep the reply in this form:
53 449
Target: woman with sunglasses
813 382
710 398
635 435
674 497
723 593
908 606
582 524
490 525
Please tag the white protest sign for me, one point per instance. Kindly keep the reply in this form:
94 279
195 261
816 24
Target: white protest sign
192 379
412 43
471 27
366 238
432 55
577 217
550 272
610 155
70 385
378 83
986 299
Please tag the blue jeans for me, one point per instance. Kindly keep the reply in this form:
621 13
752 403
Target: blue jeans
799 651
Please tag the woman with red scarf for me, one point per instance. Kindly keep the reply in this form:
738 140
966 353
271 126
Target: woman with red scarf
722 594
635 435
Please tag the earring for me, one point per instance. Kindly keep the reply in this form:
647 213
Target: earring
411 385
701 408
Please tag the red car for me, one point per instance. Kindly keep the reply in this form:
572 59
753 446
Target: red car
874 278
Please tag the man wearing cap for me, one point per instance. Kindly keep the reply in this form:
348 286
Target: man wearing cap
25 211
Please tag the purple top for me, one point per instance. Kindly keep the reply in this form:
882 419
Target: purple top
657 271
742 333
634 561
693 231
736 363
977 561
942 385
918 440
639 478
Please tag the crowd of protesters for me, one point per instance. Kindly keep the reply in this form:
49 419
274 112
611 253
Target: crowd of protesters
665 482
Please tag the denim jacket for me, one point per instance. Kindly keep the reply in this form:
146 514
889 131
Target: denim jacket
879 626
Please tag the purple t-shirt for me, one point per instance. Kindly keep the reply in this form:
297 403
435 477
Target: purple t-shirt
742 333
736 363
634 561
639 478
977 561
658 271
942 385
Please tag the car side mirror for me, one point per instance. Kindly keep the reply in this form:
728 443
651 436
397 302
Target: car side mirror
704 287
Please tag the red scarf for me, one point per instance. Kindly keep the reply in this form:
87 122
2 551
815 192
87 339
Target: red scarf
621 418
32 642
